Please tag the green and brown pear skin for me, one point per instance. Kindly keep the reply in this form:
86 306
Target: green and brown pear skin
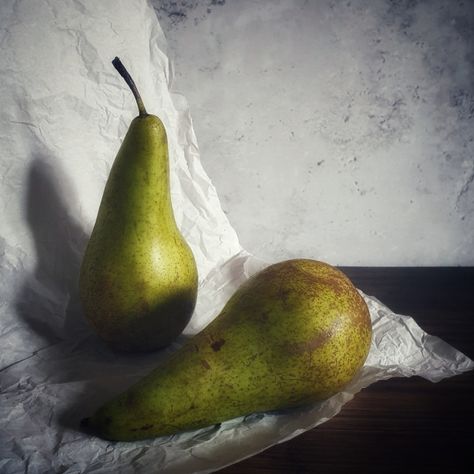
138 279
293 334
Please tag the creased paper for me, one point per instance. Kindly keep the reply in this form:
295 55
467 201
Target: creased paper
64 114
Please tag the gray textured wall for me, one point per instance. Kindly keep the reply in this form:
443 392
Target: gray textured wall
334 130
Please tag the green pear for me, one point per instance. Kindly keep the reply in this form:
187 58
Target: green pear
293 334
138 278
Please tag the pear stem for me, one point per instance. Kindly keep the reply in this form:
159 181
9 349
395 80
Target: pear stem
130 83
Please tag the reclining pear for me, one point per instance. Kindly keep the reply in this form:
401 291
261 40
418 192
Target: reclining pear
293 334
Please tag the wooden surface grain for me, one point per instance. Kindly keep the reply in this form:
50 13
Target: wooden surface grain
402 425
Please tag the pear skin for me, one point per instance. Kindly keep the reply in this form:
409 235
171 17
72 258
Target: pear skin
293 334
138 279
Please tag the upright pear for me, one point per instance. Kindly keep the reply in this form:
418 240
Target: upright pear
138 279
293 334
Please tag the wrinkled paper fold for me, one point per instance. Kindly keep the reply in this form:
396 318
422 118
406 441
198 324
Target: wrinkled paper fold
64 113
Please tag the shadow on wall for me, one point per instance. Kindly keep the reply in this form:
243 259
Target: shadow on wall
48 300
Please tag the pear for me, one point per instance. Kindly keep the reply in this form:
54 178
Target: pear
293 334
138 278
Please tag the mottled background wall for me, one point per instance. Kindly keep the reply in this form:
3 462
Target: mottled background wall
334 130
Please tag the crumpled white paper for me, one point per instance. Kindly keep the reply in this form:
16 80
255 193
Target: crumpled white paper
64 113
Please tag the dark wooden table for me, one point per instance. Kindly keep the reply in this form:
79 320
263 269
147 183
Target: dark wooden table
399 425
